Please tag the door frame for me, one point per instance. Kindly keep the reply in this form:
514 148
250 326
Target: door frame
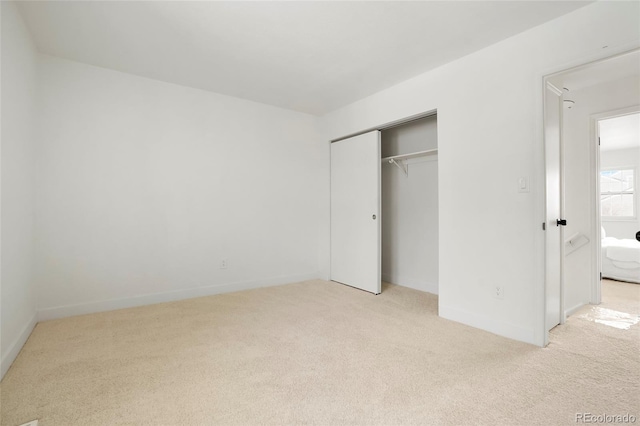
541 334
594 178
389 124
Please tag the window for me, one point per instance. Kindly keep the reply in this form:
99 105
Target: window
617 196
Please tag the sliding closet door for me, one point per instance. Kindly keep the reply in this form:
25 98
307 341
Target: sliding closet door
355 212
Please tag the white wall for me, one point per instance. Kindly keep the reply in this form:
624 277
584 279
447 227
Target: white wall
144 186
18 83
410 208
623 158
489 134
590 101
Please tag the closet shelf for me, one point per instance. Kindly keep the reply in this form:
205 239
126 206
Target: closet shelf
399 160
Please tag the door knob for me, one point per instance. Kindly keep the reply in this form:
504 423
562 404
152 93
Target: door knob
373 217
562 222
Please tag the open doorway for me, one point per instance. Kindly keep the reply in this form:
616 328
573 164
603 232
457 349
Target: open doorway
619 207
590 96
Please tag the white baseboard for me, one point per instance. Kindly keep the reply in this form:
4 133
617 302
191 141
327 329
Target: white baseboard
411 283
491 325
573 310
171 296
14 348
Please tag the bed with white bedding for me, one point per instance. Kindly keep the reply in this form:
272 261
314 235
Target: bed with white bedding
621 259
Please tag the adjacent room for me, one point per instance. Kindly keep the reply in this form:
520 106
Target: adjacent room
238 212
619 138
601 135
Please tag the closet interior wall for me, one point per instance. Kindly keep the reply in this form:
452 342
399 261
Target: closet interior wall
410 207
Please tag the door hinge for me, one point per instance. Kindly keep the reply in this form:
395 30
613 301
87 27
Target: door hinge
600 276
544 226
598 140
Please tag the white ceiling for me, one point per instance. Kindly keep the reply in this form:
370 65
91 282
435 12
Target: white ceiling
620 132
307 56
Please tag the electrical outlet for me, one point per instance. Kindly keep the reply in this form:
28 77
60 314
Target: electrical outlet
498 292
224 263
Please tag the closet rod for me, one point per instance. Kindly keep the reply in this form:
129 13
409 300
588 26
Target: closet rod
410 155
400 160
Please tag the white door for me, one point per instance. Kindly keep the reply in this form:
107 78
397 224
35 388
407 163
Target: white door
355 212
554 205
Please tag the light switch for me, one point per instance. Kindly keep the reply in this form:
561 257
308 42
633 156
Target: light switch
523 184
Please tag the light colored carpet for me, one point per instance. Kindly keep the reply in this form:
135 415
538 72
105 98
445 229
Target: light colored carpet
314 352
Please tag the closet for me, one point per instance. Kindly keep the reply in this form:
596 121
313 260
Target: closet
384 207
